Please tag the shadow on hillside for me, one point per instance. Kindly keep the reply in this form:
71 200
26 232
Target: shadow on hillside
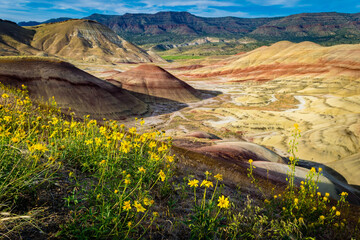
206 94
159 105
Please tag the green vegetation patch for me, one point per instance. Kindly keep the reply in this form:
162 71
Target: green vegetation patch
180 57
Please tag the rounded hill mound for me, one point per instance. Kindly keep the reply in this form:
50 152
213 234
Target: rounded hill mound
154 81
70 86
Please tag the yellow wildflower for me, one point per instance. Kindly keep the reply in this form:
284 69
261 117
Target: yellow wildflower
313 170
322 217
296 126
142 170
170 158
319 194
15 140
325 199
333 208
250 161
320 169
218 177
301 220
337 213
127 181
38 147
207 184
296 201
7 118
146 201
155 214
139 207
162 175
344 194
129 224
193 183
152 144
116 191
127 206
132 130
4 96
327 194
223 202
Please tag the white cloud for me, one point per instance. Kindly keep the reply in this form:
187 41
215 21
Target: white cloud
213 12
152 3
284 3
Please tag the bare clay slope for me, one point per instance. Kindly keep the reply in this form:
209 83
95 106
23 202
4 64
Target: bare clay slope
323 82
70 86
86 40
154 81
291 59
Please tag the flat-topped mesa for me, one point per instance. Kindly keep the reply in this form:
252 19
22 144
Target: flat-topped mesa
86 40
70 86
152 80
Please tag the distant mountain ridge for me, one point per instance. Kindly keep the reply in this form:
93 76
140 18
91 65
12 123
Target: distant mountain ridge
177 27
34 23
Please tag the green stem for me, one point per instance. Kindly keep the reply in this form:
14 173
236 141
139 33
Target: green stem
195 195
217 181
203 201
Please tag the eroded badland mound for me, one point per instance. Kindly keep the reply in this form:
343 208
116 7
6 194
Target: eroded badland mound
154 81
86 40
284 59
70 86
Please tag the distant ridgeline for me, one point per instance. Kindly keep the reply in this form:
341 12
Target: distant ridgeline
34 23
327 28
176 27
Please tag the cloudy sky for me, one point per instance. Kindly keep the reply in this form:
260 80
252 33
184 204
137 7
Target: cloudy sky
41 10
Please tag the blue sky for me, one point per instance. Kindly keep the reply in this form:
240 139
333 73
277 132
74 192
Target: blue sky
41 10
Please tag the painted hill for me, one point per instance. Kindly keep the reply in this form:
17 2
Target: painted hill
70 86
86 40
15 39
178 27
285 59
152 80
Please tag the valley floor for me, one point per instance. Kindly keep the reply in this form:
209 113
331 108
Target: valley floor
265 112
